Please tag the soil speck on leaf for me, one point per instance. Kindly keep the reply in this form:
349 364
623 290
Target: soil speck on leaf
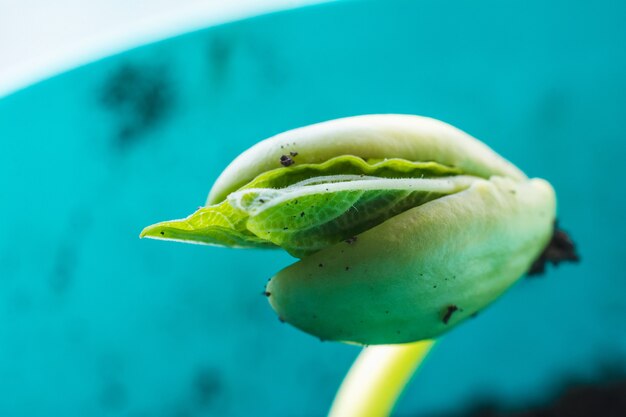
449 312
285 160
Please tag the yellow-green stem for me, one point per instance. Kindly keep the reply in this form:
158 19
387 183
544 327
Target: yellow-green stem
377 378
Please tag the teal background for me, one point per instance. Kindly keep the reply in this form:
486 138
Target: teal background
95 322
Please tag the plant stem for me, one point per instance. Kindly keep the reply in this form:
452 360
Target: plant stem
377 378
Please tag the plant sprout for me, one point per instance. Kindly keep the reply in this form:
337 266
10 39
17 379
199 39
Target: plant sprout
404 226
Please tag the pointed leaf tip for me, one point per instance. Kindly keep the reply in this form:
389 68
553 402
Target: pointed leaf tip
153 231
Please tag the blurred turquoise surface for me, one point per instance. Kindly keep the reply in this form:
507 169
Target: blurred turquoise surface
95 322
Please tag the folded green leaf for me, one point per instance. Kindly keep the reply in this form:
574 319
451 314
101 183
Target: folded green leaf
313 214
351 165
223 225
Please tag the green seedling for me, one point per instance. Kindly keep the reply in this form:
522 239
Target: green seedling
405 226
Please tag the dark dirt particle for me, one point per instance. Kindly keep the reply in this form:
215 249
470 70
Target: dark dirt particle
280 319
293 153
347 268
302 214
267 293
261 201
350 240
285 228
162 232
286 160
321 265
449 312
561 248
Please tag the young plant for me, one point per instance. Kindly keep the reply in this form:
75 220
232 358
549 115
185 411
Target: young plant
405 226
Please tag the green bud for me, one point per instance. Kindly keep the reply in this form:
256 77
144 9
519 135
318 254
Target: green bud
405 226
